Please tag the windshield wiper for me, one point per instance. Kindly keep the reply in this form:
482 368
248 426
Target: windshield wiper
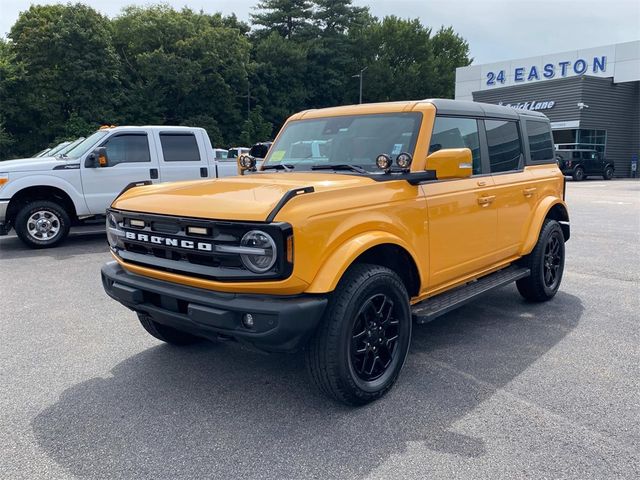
279 166
340 166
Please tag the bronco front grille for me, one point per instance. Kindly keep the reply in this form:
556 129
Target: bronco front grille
169 244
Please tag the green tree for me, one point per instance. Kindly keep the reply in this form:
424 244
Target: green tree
182 65
289 18
255 129
64 66
449 51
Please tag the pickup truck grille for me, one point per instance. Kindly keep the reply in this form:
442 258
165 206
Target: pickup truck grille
195 247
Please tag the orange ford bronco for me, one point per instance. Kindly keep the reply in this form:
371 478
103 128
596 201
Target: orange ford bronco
361 221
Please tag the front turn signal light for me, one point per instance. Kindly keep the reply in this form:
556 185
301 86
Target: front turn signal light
4 178
290 249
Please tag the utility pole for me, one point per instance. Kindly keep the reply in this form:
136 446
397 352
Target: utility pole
360 75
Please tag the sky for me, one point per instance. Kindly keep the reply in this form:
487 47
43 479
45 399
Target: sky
495 29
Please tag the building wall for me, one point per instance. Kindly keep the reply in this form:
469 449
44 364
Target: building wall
614 107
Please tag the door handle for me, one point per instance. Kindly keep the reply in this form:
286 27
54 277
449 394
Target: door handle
486 201
153 173
528 192
204 172
482 183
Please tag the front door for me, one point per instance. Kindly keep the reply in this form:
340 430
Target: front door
129 161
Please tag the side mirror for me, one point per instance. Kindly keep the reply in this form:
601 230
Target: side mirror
260 150
451 163
97 158
246 163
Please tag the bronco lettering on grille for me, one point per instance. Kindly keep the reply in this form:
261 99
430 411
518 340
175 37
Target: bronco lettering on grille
169 242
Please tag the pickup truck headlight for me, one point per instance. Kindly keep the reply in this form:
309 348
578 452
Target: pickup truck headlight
265 251
114 232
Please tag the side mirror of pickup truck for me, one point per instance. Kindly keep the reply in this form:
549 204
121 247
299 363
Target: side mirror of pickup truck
98 158
451 163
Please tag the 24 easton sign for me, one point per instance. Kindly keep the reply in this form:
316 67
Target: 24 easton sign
548 71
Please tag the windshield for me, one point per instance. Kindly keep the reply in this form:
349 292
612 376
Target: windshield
69 147
353 140
84 146
57 148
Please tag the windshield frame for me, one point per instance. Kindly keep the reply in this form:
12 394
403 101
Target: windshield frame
370 167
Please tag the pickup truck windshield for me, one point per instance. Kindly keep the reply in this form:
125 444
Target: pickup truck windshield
84 146
354 140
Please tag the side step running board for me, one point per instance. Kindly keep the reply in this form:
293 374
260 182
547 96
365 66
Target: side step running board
433 307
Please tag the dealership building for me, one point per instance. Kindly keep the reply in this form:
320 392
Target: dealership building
591 96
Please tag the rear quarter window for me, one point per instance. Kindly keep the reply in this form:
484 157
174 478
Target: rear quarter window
540 140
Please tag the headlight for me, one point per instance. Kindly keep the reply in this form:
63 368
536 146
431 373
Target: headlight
4 178
265 251
114 232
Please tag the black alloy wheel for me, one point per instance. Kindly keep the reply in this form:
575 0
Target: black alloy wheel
374 337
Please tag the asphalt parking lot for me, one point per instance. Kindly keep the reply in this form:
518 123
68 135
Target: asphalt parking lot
497 389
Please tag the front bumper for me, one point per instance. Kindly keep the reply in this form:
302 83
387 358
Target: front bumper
281 323
4 226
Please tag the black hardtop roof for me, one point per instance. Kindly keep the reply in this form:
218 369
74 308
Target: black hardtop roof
477 109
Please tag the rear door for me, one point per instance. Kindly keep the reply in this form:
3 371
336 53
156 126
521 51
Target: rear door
182 156
591 163
516 190
462 212
129 161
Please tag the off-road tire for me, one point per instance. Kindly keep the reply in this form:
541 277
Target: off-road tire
608 173
536 287
166 333
578 174
25 227
329 355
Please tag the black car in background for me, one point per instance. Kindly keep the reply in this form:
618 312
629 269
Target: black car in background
581 164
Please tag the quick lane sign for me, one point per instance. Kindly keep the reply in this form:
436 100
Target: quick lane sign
548 71
530 105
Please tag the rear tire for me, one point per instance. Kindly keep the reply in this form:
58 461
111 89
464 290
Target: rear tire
42 224
357 352
165 333
546 263
608 173
578 174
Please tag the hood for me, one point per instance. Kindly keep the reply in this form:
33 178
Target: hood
245 198
31 164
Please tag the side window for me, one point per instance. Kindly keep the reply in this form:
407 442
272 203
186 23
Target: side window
505 149
179 147
588 155
575 155
453 132
128 148
540 141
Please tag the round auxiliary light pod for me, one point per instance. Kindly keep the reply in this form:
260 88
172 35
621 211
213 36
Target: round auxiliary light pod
404 160
384 162
247 161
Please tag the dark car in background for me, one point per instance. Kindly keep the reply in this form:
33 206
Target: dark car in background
582 163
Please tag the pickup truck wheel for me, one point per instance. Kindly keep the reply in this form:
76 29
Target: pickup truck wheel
546 263
42 224
578 174
166 333
608 173
361 345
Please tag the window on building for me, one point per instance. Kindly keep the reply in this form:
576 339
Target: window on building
450 132
581 138
540 140
128 148
505 148
179 147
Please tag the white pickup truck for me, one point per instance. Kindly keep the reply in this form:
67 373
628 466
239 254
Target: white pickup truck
42 197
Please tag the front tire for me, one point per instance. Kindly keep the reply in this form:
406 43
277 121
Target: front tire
42 224
546 263
357 352
166 333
